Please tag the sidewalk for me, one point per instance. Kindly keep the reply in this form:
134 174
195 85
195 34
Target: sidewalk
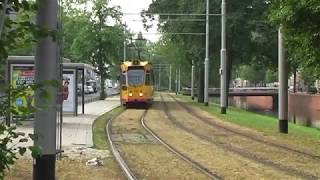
77 130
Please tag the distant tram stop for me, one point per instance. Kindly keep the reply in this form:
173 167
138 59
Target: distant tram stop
21 74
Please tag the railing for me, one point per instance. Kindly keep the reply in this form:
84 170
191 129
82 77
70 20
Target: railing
248 91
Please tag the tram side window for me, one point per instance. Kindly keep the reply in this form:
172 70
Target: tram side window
123 79
148 79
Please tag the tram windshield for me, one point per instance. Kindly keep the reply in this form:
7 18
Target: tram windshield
136 77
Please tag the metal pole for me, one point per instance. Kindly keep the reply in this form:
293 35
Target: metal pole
159 88
46 66
124 44
179 81
206 61
176 81
283 86
82 94
192 80
223 69
170 89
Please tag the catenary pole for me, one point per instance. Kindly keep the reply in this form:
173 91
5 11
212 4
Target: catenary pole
283 85
192 80
223 69
176 81
46 68
159 83
170 69
206 61
179 81
124 46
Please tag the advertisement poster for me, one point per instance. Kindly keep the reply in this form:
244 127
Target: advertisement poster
68 91
22 76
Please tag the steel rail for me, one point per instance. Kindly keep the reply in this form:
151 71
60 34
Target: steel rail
187 159
245 135
287 169
125 168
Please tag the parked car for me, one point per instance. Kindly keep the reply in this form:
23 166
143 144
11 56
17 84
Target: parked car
86 89
90 89
93 84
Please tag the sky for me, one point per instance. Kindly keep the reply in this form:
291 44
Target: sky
134 22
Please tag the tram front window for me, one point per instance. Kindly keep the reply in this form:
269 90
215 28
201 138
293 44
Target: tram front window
136 77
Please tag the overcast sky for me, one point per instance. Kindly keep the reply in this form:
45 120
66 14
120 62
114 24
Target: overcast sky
134 21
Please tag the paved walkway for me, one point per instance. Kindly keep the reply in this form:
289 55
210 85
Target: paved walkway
77 130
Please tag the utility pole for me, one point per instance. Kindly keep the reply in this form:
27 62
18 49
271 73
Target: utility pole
176 81
170 78
159 80
206 61
179 82
46 68
192 80
283 85
223 69
124 44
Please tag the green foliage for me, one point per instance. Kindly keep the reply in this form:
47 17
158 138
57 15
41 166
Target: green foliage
254 74
12 142
250 37
271 76
89 37
301 23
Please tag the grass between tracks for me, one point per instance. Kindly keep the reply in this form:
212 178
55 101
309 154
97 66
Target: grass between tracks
99 128
256 121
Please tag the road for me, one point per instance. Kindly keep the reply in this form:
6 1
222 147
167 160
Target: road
95 96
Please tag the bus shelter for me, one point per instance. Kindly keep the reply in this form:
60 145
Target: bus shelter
21 72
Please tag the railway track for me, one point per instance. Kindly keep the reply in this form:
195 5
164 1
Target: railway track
116 153
245 154
187 159
129 173
254 138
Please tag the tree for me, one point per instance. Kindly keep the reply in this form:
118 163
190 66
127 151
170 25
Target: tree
250 37
301 24
94 36
254 74
271 76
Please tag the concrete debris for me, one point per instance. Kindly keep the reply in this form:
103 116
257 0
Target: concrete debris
94 162
83 152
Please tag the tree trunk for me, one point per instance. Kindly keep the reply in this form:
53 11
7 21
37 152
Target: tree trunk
201 83
103 94
294 81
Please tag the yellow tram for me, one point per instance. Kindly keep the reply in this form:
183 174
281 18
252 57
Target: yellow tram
136 83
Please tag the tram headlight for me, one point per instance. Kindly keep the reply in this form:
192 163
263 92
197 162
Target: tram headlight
140 94
130 94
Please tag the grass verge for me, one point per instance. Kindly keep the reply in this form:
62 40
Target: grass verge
99 128
262 123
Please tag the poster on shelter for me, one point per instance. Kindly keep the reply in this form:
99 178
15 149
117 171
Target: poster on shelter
68 91
22 76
